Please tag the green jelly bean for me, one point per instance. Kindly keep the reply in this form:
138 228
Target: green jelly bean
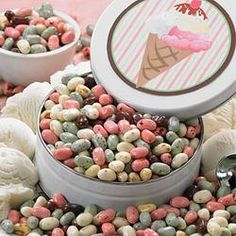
157 224
67 137
179 160
223 191
67 218
192 122
7 226
174 124
194 206
29 203
67 77
49 32
171 136
145 219
183 212
70 127
194 143
120 213
84 161
80 145
8 44
231 210
191 229
172 220
79 170
92 209
58 213
112 141
177 146
109 155
225 232
161 169
185 141
77 97
37 231
159 140
33 222
182 130
141 143
33 39
99 141
40 28
30 30
37 48
206 185
139 226
128 168
46 10
167 231
182 224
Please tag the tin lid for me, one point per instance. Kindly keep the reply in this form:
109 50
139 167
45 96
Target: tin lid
172 57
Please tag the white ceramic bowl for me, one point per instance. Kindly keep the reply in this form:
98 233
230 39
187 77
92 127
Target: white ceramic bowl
78 188
22 69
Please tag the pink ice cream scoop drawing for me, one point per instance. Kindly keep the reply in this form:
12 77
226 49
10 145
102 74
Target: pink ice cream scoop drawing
174 36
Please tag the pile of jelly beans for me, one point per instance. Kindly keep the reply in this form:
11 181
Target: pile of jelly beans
28 31
204 209
87 130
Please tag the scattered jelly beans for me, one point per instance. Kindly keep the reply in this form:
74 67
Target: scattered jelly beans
30 31
195 213
111 141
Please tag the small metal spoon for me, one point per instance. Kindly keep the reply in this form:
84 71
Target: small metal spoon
226 171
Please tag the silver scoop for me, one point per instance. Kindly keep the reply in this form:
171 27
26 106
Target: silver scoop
226 171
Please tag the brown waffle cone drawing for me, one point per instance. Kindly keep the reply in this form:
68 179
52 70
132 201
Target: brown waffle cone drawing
158 58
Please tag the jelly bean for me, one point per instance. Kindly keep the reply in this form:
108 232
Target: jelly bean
67 137
12 32
62 154
191 217
33 39
105 99
145 174
41 201
139 152
106 111
146 124
7 226
124 126
53 42
58 232
59 200
179 160
222 213
131 135
92 171
124 147
88 230
167 231
49 137
37 48
117 166
127 231
105 216
68 37
227 200
179 202
111 127
84 161
99 156
125 108
148 136
107 174
188 151
160 169
159 214
161 148
54 97
8 44
139 164
108 229
132 214
174 124
49 223
191 132
13 216
72 231
202 196
33 222
45 123
214 206
23 46
166 158
67 218
220 221
40 212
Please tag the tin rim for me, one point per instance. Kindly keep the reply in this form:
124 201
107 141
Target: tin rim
151 181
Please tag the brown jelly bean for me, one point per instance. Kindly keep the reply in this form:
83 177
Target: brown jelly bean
82 122
90 100
90 82
190 191
75 208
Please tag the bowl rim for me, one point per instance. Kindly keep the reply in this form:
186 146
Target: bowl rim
68 19
114 183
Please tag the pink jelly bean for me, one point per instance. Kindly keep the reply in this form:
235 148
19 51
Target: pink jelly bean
59 200
21 28
2 40
159 214
12 32
179 202
105 99
160 131
68 37
53 42
49 137
106 112
99 156
148 136
38 20
189 151
45 123
214 206
124 126
70 163
53 21
166 158
98 90
60 27
23 12
139 152
55 97
108 229
68 104
132 214
147 124
14 216
191 132
23 220
58 232
140 232
62 154
227 200
150 232
111 127
140 164
198 129
190 217
122 107
170 209
105 216
44 42
98 129
41 212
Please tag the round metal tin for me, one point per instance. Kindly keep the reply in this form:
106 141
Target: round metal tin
139 66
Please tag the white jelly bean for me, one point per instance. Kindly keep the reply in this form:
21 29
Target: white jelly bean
213 229
202 196
70 114
85 134
204 214
131 135
179 160
72 231
221 221
56 127
107 174
73 83
84 219
125 157
49 223
62 89
23 46
222 213
117 166
127 231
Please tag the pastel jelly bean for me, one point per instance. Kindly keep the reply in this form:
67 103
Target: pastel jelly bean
58 232
23 12
40 212
14 216
108 229
148 136
214 206
179 202
140 164
111 127
147 124
132 214
191 217
12 32
62 154
68 37
99 156
159 214
105 216
53 42
125 108
105 99
49 137
59 200
139 152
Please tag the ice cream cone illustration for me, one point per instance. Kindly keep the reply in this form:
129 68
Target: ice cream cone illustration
179 34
